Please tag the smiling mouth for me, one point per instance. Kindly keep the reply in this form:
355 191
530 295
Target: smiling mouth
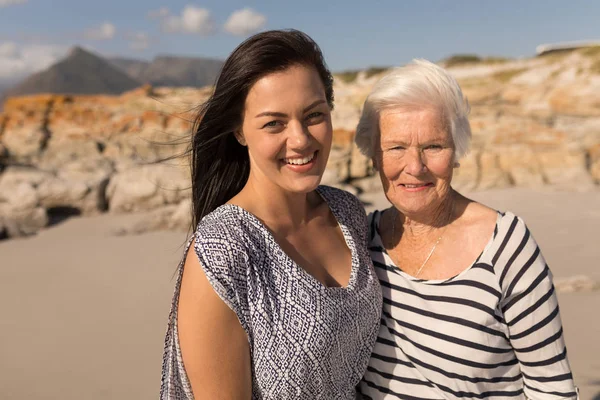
300 160
415 185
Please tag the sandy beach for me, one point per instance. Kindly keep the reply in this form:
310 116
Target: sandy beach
84 312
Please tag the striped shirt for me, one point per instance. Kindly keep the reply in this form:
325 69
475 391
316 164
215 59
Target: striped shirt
492 331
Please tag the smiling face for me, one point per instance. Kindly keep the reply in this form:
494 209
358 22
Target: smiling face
415 158
287 128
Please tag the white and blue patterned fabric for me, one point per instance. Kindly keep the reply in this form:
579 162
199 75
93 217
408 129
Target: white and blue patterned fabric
307 340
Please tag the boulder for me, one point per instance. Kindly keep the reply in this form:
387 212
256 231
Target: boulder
147 187
23 222
491 174
338 165
520 163
361 166
61 151
25 143
565 167
17 196
13 175
20 213
86 182
177 217
466 176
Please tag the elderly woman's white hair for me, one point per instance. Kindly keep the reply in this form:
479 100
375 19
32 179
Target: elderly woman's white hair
418 84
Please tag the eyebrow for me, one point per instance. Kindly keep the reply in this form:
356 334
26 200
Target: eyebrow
402 143
283 115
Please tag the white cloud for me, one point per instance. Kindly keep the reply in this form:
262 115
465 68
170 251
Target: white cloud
193 20
103 32
244 22
8 50
17 62
139 41
7 3
158 14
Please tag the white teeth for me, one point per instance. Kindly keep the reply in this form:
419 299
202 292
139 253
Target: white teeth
300 161
412 186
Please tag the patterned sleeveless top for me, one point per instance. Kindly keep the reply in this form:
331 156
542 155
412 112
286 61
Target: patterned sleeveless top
306 340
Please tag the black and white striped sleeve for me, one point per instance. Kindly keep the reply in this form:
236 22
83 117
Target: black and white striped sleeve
530 309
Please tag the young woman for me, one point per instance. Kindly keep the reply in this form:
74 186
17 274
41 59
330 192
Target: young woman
276 296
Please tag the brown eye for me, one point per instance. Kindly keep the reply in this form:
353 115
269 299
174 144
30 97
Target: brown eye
314 117
271 124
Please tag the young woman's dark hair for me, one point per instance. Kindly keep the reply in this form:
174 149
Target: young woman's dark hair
219 164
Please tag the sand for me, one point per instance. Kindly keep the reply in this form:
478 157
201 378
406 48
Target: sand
83 313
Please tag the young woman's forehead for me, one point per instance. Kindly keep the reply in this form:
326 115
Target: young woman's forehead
294 85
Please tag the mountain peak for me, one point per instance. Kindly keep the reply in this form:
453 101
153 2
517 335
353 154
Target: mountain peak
77 50
80 72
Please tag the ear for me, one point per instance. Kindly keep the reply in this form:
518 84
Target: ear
239 136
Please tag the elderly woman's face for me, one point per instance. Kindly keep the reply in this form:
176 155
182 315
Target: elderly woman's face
415 158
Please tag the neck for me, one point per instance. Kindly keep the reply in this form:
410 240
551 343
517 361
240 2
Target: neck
279 209
433 220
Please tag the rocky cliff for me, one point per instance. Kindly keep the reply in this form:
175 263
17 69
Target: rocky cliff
536 122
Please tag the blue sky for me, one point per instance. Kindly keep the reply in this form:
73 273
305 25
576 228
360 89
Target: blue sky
352 34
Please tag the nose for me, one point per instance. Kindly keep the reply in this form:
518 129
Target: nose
415 164
298 136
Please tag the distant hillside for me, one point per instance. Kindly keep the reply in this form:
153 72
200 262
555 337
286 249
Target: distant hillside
134 68
172 70
81 72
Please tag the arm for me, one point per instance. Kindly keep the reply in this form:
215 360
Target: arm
530 309
214 345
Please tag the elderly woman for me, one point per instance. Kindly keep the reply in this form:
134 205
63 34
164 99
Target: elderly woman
469 308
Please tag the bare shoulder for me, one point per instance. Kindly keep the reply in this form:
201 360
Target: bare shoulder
478 217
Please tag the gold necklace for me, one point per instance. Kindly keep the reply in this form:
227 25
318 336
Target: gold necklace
434 246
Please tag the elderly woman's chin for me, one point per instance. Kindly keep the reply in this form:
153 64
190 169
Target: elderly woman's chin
415 199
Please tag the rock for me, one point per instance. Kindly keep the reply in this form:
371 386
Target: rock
491 174
18 174
57 192
3 157
521 165
338 165
481 91
466 176
577 283
594 160
579 98
177 217
61 151
19 210
24 222
181 218
26 142
156 220
371 184
147 187
565 167
130 149
361 166
17 197
535 122
87 180
343 138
